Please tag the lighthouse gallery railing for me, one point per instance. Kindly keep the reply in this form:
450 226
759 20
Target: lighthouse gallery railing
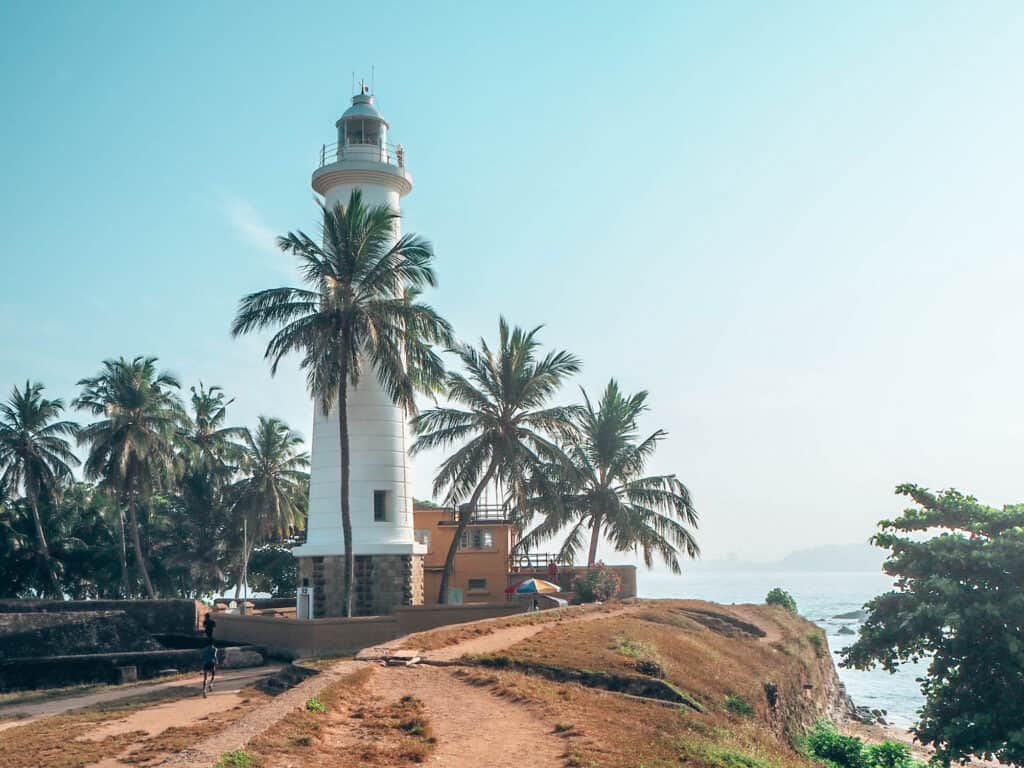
380 153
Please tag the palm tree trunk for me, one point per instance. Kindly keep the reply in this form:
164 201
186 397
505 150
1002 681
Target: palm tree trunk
247 548
123 552
346 501
140 561
595 537
465 515
43 547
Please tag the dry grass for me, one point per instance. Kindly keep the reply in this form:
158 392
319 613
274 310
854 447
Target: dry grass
355 730
608 729
58 741
447 636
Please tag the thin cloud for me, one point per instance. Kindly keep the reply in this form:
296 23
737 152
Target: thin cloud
249 225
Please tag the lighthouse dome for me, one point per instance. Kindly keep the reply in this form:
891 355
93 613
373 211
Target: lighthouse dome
364 107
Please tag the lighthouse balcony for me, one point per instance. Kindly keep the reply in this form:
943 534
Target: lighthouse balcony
362 164
375 152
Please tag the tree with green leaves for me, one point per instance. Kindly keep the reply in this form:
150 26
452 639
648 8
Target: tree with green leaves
604 489
212 448
507 428
36 456
270 500
352 317
132 446
211 451
958 601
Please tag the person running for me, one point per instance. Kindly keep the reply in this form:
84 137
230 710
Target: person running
208 625
209 667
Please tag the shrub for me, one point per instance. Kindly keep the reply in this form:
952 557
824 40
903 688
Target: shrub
599 584
782 598
738 705
826 743
315 705
237 759
817 640
890 754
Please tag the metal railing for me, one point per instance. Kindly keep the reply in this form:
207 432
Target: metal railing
535 561
484 513
389 154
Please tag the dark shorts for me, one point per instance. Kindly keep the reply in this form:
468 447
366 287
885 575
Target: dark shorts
209 666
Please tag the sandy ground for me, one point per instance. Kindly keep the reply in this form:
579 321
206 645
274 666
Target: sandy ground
227 681
453 707
456 710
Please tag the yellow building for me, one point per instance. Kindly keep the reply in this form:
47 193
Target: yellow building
485 564
480 573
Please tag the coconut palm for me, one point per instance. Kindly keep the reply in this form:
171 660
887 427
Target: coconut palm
607 493
36 456
131 447
507 429
352 316
211 452
211 448
270 499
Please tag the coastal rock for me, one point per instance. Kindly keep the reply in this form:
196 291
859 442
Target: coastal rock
858 615
864 714
845 631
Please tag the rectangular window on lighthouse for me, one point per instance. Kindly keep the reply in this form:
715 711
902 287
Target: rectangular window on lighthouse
380 506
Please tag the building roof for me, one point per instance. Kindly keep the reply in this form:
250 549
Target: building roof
363 106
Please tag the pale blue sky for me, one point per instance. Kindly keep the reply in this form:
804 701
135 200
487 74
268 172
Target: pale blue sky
797 224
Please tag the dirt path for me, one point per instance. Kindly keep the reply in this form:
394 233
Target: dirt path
206 753
456 709
749 613
227 680
514 736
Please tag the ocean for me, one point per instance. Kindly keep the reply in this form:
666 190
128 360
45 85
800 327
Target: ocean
820 596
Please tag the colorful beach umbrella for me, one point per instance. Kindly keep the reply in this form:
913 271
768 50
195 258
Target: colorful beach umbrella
528 586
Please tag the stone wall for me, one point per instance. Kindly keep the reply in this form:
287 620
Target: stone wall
70 632
60 671
383 583
291 639
158 617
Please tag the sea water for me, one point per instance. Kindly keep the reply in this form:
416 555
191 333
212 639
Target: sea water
820 597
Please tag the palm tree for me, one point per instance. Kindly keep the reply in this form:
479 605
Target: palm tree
352 315
211 452
211 448
607 493
35 456
131 448
507 429
270 499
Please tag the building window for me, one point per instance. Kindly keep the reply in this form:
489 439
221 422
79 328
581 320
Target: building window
380 506
478 585
477 538
423 537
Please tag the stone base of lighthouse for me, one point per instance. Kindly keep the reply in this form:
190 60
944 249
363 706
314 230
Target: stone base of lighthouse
383 583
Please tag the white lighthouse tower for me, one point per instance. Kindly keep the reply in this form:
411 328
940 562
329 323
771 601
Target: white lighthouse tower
389 569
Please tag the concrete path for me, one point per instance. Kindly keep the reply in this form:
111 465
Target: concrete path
227 680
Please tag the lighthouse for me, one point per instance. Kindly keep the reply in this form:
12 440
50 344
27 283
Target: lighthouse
389 565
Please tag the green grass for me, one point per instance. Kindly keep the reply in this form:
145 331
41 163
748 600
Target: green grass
315 705
817 640
237 759
738 705
633 649
721 757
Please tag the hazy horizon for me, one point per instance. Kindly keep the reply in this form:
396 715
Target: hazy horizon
798 226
